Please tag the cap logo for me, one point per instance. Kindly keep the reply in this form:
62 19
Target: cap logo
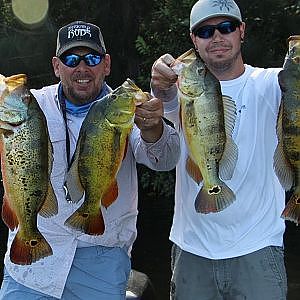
223 4
79 31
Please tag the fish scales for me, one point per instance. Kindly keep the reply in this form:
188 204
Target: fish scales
287 154
207 132
100 149
26 162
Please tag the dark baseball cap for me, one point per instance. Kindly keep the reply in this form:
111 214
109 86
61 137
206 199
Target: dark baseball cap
79 34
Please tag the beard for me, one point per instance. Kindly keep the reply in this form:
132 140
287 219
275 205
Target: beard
219 67
82 98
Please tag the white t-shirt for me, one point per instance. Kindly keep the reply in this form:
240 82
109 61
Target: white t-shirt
253 221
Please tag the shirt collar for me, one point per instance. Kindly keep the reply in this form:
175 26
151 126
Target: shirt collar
78 110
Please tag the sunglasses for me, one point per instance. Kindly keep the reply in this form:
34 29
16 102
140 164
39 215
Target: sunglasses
207 31
72 60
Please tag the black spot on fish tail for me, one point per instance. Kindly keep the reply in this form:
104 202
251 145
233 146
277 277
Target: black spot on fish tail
214 190
214 200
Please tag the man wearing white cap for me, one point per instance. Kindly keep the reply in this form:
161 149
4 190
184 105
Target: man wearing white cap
235 253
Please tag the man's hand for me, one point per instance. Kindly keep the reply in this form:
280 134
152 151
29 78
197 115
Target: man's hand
148 117
163 78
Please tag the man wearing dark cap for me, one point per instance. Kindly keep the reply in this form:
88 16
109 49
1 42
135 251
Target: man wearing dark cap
85 266
227 250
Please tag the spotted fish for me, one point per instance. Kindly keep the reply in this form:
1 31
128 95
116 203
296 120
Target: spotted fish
100 149
207 120
26 162
287 153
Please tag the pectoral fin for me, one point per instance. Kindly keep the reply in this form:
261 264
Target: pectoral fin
193 170
8 215
111 195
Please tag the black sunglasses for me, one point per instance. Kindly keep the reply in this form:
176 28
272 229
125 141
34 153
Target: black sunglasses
208 31
72 60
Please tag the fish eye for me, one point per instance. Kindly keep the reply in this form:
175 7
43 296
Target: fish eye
200 71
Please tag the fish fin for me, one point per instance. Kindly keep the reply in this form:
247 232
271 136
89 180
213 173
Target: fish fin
206 202
281 164
50 154
50 205
229 114
230 154
110 195
125 148
193 170
8 215
283 169
87 222
229 159
180 116
73 182
26 252
291 211
282 80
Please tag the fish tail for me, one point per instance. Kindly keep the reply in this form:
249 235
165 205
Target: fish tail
87 222
214 199
26 251
291 211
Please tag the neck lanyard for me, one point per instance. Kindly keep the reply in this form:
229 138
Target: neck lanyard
62 101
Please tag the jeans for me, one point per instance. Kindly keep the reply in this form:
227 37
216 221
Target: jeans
97 273
260 275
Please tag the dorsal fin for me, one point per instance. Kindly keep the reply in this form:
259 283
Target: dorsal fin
230 154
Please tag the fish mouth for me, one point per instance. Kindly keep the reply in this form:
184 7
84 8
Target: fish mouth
139 96
8 128
11 123
129 84
15 81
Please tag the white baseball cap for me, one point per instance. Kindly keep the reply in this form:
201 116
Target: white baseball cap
206 9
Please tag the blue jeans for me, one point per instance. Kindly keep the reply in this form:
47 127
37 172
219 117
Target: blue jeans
259 275
97 273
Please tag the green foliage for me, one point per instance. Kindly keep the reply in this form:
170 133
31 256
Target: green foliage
156 184
6 17
268 25
165 29
141 46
